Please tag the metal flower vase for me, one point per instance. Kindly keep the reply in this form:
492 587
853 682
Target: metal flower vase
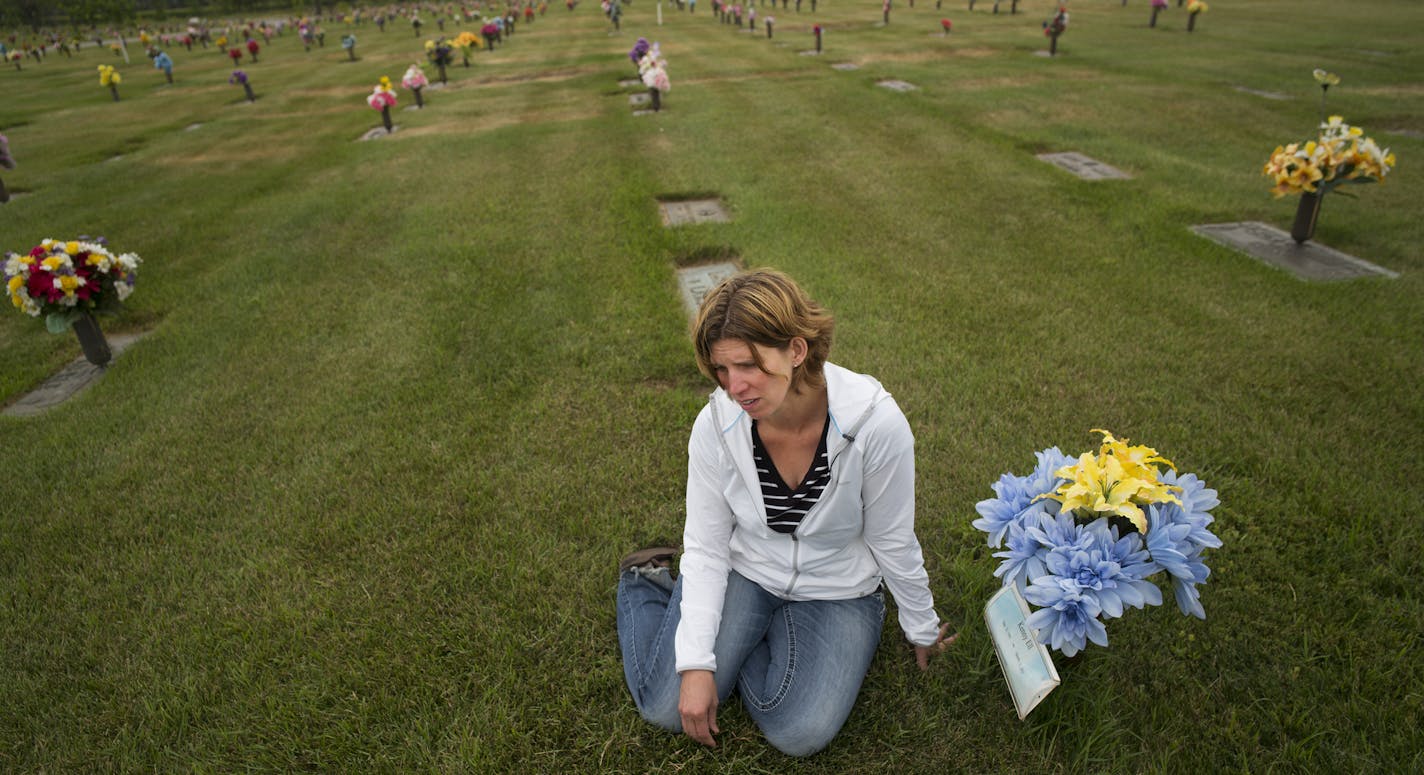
1306 214
91 340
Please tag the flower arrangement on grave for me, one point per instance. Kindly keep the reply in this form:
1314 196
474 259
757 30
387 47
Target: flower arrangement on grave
1157 6
239 77
252 49
639 50
653 69
946 25
1055 27
770 22
464 43
1194 8
236 55
383 98
1341 154
1326 80
441 54
816 30
1083 538
348 42
68 281
16 58
221 42
415 80
110 77
490 32
162 61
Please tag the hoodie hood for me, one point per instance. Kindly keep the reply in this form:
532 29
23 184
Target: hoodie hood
851 398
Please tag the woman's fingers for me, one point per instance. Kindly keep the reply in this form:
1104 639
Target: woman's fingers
698 706
922 653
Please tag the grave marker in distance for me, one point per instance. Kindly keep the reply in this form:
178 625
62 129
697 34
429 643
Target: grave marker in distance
1083 166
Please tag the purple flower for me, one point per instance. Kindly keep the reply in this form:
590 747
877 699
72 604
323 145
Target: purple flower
237 77
1022 560
1098 575
1197 501
1068 619
1171 548
640 47
1017 494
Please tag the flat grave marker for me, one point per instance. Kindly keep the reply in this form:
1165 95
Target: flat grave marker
1084 167
629 83
70 380
845 67
191 127
1270 95
897 85
639 100
690 212
696 281
1272 246
378 133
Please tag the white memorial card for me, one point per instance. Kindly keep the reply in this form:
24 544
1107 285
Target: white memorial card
1028 669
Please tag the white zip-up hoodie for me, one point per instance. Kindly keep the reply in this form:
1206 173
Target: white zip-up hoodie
860 531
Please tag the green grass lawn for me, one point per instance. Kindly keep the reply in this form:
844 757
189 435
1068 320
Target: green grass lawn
356 501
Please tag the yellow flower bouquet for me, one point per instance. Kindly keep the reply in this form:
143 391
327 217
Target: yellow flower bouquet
1340 154
110 77
1117 481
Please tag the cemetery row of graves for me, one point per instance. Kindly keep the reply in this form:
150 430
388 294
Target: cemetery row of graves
398 368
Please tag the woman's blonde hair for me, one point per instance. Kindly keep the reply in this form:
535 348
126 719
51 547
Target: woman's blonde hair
765 307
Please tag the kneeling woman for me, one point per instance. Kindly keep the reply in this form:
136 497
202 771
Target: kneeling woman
800 503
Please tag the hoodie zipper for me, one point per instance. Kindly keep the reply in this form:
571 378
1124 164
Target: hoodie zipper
826 495
795 558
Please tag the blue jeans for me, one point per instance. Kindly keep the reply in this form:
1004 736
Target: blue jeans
797 665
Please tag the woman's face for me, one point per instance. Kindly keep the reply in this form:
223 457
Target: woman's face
760 394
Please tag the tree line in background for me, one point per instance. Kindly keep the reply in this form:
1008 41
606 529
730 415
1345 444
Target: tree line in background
36 14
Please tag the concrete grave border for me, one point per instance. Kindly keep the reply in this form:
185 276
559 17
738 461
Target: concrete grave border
70 381
1310 261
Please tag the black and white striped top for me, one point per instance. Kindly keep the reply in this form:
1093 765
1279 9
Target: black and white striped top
786 507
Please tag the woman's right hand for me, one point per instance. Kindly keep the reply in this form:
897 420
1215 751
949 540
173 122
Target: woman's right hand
697 702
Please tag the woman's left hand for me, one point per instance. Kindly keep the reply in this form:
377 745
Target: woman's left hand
922 653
